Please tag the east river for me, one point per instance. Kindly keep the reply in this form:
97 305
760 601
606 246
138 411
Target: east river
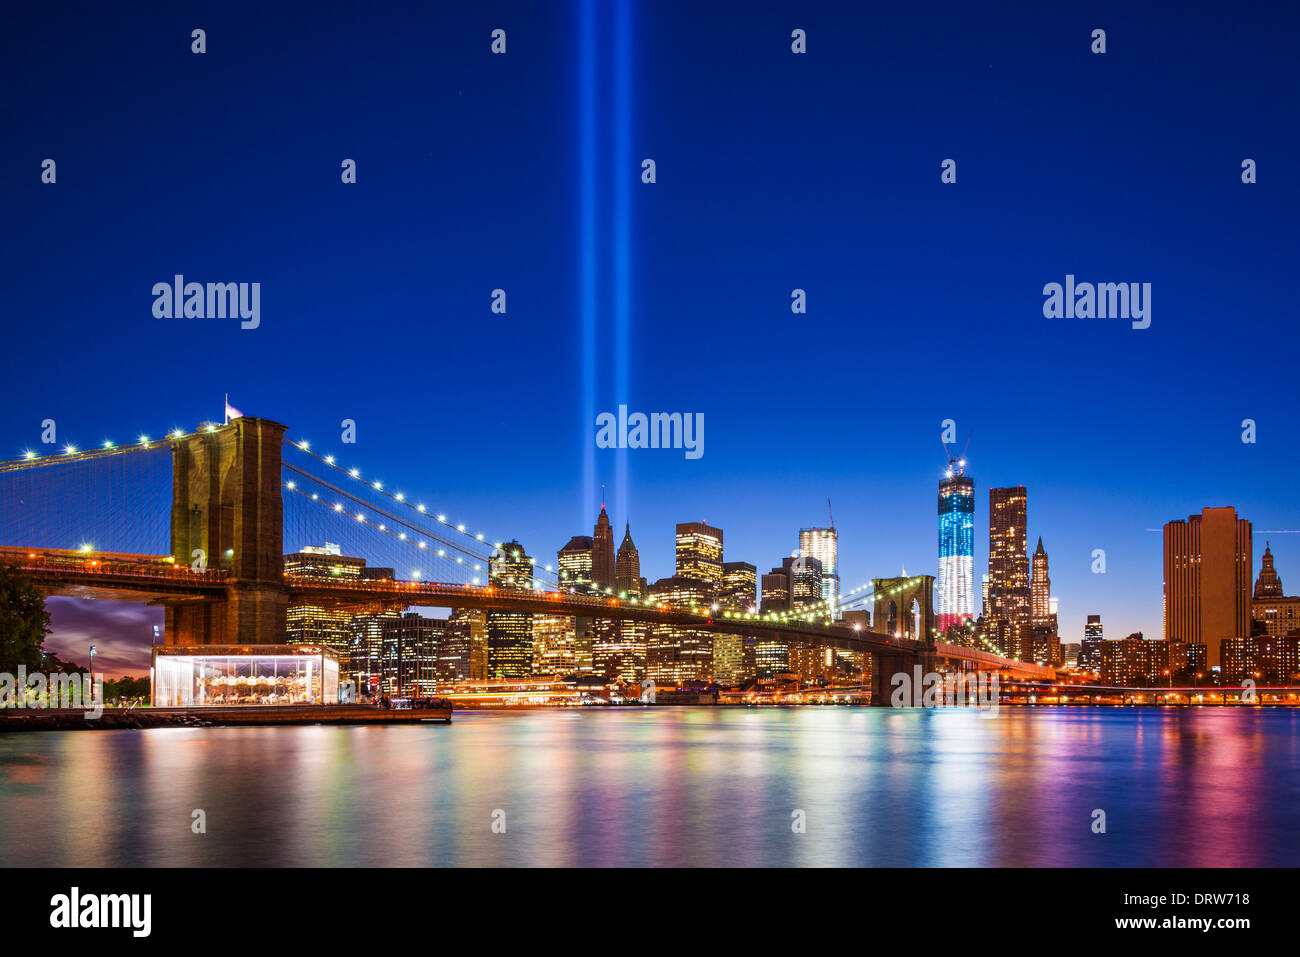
808 786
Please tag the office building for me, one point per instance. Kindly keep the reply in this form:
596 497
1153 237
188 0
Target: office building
1274 612
1207 568
573 563
823 545
510 634
602 552
1009 599
699 555
955 584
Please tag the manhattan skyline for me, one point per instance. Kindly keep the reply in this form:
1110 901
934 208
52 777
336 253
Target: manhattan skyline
775 172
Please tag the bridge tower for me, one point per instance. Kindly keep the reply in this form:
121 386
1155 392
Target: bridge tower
228 511
904 607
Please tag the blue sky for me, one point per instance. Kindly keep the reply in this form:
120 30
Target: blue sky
775 171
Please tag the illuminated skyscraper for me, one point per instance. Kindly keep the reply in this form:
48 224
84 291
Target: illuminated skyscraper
510 634
555 645
618 648
772 655
805 575
1208 566
1040 588
602 552
314 624
1090 649
462 655
823 545
409 655
1009 568
627 567
739 586
955 586
699 555
675 653
574 561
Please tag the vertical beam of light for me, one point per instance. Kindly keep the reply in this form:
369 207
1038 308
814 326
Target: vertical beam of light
624 171
587 244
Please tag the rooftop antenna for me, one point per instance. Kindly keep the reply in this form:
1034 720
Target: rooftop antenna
832 513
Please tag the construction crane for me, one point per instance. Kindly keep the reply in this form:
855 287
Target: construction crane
957 463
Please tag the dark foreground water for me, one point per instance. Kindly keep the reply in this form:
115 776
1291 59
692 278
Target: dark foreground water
670 786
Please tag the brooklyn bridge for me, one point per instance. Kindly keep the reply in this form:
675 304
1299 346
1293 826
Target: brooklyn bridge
222 580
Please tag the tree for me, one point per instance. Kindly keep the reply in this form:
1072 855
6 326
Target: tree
24 622
127 687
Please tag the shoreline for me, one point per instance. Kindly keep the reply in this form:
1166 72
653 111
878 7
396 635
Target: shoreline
70 719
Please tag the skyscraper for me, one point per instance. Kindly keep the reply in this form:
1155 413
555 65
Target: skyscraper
1207 562
1090 648
462 655
409 655
776 591
805 575
823 545
772 655
627 567
314 624
1268 584
1040 588
955 585
510 634
574 561
739 586
699 554
1009 567
1278 612
555 645
602 552
676 653
619 647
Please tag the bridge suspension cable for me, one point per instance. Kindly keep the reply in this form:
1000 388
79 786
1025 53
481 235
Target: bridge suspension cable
401 499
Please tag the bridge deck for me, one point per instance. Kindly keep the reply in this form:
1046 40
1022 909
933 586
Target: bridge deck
157 579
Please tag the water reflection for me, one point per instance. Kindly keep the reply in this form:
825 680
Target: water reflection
670 786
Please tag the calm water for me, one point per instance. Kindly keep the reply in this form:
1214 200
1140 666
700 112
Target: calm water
671 786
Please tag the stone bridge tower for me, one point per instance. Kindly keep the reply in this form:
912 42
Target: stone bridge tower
228 513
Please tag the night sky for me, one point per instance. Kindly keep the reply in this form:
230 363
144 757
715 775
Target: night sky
775 171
